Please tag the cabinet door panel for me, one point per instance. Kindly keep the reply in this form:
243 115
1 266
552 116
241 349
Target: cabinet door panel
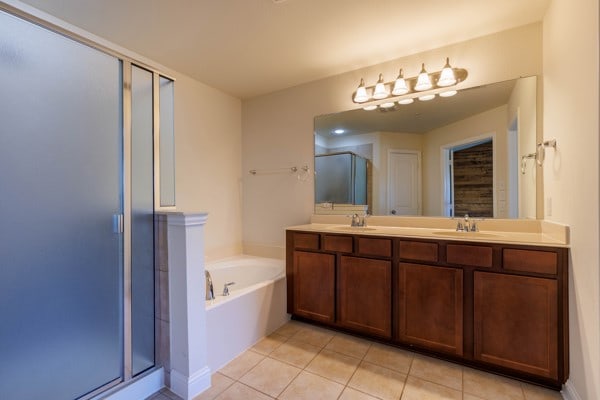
314 279
430 312
365 295
515 322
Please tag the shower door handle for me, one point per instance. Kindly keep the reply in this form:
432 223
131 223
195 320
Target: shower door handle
118 222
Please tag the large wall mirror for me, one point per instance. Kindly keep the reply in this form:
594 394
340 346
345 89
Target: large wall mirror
469 153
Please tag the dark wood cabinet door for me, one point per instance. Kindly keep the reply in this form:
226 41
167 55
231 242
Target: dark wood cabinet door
430 312
314 286
365 295
515 322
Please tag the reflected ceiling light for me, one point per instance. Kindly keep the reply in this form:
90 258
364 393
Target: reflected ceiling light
361 93
370 108
423 80
338 131
400 86
427 97
447 77
408 100
387 105
408 87
448 93
380 91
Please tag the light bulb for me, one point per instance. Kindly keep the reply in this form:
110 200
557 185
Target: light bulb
427 97
380 91
387 105
370 108
448 93
400 86
423 81
361 93
447 77
406 101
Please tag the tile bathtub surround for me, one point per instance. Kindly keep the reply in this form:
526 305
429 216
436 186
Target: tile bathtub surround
299 361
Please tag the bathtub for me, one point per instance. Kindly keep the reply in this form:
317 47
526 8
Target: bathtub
255 307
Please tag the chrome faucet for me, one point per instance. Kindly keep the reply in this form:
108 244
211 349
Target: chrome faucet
359 221
468 225
210 293
226 288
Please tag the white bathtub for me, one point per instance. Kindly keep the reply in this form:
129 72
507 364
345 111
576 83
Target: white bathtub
255 307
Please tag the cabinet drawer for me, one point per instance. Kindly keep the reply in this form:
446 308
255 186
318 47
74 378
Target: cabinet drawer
419 251
306 241
375 247
338 243
543 262
475 256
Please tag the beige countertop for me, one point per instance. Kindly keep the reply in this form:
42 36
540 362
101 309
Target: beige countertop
527 232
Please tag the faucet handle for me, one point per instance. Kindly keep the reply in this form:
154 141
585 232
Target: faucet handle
459 227
226 288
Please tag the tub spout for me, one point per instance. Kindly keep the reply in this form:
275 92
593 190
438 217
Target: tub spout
210 293
226 288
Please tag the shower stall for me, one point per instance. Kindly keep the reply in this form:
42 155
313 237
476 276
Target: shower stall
78 177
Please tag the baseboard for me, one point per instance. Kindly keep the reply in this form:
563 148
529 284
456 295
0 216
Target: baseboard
140 388
188 388
569 392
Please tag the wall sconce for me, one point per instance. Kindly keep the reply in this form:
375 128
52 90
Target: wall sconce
425 86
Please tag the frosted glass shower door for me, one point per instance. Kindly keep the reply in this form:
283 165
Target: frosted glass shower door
61 289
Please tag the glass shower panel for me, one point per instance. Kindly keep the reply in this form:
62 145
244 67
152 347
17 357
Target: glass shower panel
167 143
61 270
142 221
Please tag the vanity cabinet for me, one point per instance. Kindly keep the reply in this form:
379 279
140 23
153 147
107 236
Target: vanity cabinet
314 286
496 306
430 307
364 294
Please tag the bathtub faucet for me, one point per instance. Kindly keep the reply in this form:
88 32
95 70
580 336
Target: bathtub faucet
226 288
210 293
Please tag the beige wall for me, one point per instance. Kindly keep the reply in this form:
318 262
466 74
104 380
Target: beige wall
278 128
208 162
571 174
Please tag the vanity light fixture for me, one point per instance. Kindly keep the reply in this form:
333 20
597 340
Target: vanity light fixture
400 86
380 91
423 80
409 88
388 104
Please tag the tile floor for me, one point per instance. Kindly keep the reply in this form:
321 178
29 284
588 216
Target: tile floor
300 361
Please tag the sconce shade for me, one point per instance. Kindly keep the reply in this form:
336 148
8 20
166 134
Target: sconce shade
380 91
400 86
447 77
361 93
423 81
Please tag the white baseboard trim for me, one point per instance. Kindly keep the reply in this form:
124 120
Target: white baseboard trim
569 392
139 388
189 387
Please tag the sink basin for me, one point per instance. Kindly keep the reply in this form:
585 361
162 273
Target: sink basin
353 228
466 235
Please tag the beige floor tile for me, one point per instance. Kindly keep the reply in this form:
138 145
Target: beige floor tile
270 376
389 357
289 329
533 392
378 381
437 371
419 389
238 391
335 366
349 345
467 396
314 335
297 353
491 387
218 383
241 364
353 394
308 386
269 343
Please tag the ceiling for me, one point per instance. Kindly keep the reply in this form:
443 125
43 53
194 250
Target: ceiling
251 47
